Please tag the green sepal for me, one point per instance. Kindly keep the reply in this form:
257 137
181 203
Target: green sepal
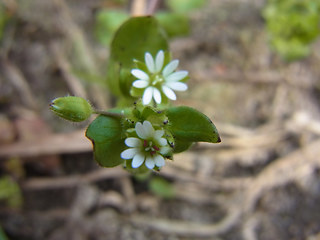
140 170
71 108
107 136
157 118
189 125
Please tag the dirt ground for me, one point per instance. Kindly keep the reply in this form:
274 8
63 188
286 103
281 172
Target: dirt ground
262 182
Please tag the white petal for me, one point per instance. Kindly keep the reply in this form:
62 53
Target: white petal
149 62
137 160
170 68
159 161
178 86
157 95
140 130
147 95
150 162
158 134
148 129
140 74
164 150
133 142
177 76
162 141
140 83
169 93
129 153
159 61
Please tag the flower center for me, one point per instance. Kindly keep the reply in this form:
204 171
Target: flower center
150 147
156 79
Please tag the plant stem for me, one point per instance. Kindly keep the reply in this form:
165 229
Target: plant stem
109 114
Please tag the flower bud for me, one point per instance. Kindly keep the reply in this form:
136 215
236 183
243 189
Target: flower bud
75 109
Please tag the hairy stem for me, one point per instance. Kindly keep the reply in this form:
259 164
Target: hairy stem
109 114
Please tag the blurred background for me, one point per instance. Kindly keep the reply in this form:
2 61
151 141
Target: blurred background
254 70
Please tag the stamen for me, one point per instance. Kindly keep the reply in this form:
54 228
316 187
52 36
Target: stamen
156 148
145 143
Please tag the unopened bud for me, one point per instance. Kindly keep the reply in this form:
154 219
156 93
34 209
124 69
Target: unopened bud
75 109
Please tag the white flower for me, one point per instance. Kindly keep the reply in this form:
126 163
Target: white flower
159 79
149 147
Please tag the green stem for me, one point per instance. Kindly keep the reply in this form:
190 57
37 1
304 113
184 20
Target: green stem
109 114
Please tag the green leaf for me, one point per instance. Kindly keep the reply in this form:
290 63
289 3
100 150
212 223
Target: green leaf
3 236
10 192
133 39
181 146
292 25
190 125
181 26
157 118
161 187
107 137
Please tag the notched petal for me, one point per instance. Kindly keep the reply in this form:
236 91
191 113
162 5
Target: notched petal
137 160
170 68
133 142
140 83
141 75
169 93
159 161
149 62
157 95
159 61
177 86
150 163
177 76
147 96
129 153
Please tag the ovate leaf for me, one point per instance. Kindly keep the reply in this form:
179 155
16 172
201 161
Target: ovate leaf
190 125
106 135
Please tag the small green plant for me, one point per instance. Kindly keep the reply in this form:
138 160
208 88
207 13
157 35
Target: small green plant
3 236
292 26
144 129
10 192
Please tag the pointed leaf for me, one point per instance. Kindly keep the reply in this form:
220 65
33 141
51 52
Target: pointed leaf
190 125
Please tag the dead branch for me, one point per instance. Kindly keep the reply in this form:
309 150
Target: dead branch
291 168
75 180
72 81
189 229
50 144
16 78
138 8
